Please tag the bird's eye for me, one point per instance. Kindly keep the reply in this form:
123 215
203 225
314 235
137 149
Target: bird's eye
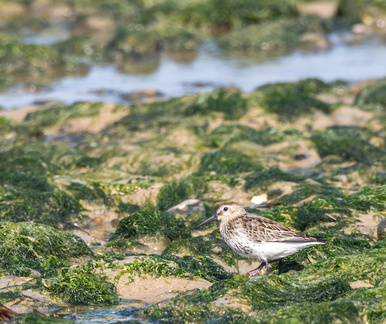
225 208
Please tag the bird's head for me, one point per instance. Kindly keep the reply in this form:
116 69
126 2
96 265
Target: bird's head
225 212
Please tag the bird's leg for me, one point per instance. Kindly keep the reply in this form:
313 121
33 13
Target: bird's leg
256 271
268 268
264 264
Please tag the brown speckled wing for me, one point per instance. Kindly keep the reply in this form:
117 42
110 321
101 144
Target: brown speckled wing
260 229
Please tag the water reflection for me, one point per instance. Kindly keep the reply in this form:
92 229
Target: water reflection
213 68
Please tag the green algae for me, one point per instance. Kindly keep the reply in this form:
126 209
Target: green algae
35 318
308 86
291 101
150 222
328 204
305 190
134 43
184 267
372 97
368 199
177 191
227 134
180 39
349 143
28 192
80 287
81 46
230 102
142 117
210 245
221 16
34 63
59 115
222 162
48 207
263 178
279 36
355 10
28 246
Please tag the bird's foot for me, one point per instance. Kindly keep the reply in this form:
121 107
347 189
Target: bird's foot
255 273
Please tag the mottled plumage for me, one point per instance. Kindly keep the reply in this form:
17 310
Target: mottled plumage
258 237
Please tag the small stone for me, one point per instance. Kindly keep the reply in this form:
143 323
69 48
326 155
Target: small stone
360 229
187 207
299 157
155 243
315 42
323 9
381 229
141 95
193 207
10 10
360 284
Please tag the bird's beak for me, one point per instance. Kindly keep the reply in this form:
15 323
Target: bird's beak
210 219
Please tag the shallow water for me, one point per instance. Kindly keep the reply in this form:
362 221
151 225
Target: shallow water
213 68
95 314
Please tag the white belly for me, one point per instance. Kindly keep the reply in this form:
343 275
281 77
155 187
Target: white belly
277 250
266 251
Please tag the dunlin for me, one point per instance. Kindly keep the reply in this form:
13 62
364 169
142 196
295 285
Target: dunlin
258 237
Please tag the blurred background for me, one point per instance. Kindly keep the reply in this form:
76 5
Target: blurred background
128 50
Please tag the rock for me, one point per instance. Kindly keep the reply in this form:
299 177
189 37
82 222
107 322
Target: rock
381 230
350 116
323 9
360 284
155 243
86 237
367 232
187 207
142 94
99 27
11 281
154 290
52 11
10 10
191 211
315 42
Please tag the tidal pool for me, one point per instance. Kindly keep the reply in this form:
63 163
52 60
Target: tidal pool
213 68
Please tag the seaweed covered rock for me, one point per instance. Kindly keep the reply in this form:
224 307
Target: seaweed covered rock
276 37
227 134
176 191
32 62
151 228
35 318
59 115
80 287
180 39
81 46
219 17
293 100
28 246
223 162
133 47
349 143
208 245
372 96
230 102
28 192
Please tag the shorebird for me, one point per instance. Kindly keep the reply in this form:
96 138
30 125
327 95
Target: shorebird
258 237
